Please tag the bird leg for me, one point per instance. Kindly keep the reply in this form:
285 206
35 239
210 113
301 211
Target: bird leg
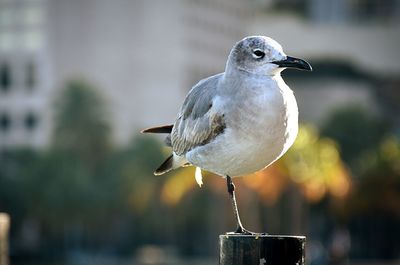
231 191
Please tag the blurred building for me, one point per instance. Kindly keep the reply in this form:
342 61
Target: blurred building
24 73
353 46
210 30
143 55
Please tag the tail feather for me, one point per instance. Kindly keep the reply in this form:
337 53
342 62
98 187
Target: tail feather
172 162
159 129
165 166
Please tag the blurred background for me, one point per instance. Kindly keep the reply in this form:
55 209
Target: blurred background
80 78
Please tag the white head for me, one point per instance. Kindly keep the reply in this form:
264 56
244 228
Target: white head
262 55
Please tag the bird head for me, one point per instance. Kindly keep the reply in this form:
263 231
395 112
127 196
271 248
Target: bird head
262 55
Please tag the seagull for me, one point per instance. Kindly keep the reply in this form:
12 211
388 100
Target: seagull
237 122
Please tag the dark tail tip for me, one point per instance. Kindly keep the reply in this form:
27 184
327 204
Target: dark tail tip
165 166
159 129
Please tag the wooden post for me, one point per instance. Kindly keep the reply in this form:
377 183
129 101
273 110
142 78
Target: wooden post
4 228
261 249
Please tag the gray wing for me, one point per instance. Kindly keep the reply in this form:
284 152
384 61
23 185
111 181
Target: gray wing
197 123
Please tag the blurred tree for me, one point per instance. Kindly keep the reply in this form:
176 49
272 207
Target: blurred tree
379 187
314 164
13 184
82 194
64 189
355 130
81 126
373 209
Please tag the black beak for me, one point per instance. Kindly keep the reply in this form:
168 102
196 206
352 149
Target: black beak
291 62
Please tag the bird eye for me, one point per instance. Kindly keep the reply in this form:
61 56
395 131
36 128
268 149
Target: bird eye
258 54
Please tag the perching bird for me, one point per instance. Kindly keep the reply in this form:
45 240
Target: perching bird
239 121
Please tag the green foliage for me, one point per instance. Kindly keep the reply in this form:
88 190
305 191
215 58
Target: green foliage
81 186
379 190
81 127
15 168
131 168
355 130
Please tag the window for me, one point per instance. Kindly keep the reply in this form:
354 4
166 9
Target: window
21 25
7 23
32 39
31 121
7 40
5 77
5 122
32 14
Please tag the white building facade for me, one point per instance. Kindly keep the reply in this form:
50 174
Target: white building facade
142 55
145 55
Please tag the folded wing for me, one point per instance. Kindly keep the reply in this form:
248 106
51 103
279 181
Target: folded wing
198 123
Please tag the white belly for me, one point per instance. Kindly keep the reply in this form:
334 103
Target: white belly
255 137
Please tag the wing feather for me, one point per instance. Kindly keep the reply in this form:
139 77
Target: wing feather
197 123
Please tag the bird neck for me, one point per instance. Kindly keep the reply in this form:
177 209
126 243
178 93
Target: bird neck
234 80
232 70
243 75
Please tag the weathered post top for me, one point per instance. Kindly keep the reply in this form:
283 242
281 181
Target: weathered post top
237 249
4 228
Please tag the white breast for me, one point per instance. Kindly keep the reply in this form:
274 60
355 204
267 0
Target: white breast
261 126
